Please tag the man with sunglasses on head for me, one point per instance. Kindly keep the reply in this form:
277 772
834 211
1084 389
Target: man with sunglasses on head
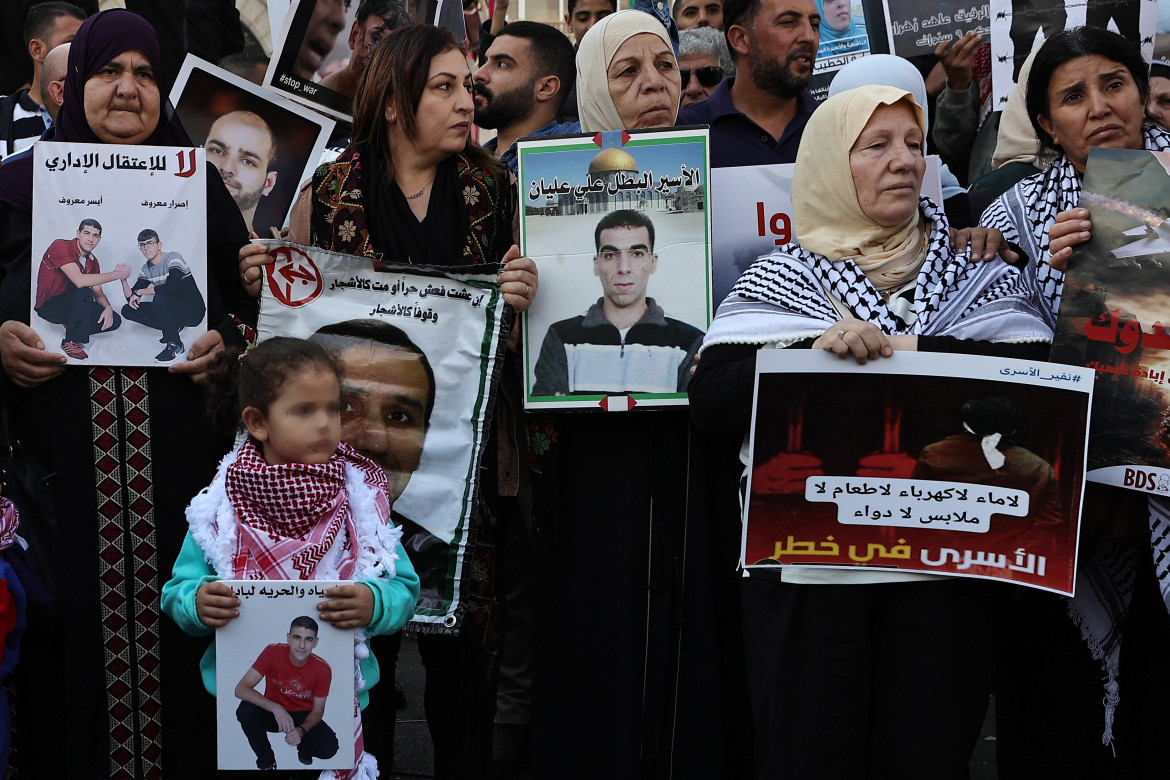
703 63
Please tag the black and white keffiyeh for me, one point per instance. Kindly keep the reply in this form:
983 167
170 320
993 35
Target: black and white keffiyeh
1025 213
784 297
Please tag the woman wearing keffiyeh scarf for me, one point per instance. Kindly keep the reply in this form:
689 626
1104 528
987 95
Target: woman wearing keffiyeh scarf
293 502
844 666
1088 87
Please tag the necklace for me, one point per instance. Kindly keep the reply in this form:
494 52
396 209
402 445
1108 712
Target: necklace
420 192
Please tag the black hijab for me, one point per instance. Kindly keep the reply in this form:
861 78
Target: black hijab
395 231
100 39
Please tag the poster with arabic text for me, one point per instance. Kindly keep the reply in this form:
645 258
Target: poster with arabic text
618 224
119 252
1116 295
422 350
960 465
918 26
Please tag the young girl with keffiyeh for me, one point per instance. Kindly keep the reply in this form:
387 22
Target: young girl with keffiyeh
292 502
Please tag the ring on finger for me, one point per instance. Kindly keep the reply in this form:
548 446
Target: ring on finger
841 334
527 290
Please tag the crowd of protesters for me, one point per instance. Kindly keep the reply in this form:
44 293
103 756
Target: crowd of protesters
610 632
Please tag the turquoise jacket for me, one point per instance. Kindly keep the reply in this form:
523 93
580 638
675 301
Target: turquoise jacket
394 600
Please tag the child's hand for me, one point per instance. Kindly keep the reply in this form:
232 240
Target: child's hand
349 606
216 604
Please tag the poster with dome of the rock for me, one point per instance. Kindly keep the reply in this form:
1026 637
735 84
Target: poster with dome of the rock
619 226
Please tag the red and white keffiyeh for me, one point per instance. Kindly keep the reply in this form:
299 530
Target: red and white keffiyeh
301 522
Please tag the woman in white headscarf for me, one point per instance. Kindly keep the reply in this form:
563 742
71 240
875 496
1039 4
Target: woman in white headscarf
862 673
892 71
627 74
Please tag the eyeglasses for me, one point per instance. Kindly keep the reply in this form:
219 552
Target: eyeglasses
708 77
148 243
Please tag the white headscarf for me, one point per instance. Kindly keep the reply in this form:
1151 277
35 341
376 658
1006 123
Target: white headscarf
594 103
897 72
826 212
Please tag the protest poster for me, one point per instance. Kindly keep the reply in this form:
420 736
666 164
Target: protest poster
849 29
897 484
1018 26
919 26
1116 293
111 273
316 43
752 205
263 145
279 650
618 225
843 31
422 351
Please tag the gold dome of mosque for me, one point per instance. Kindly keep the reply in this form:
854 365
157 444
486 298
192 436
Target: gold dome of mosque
612 160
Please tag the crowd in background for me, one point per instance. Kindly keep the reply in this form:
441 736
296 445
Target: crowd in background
608 631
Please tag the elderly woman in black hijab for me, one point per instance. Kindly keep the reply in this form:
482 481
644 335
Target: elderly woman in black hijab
125 457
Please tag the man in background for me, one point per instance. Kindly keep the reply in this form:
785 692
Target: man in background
757 117
698 13
703 63
23 116
53 79
528 73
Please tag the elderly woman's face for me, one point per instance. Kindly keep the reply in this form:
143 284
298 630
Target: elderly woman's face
644 82
1093 101
122 99
887 165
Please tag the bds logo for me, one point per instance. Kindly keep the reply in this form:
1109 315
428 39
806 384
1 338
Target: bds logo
293 277
1146 480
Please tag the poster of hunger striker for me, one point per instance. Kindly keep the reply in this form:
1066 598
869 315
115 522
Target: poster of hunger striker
619 227
960 465
262 145
421 349
119 252
1116 294
1018 26
279 650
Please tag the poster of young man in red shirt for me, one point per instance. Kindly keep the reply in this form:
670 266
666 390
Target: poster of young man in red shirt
296 684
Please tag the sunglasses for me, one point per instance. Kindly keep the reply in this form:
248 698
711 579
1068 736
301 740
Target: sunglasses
708 77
